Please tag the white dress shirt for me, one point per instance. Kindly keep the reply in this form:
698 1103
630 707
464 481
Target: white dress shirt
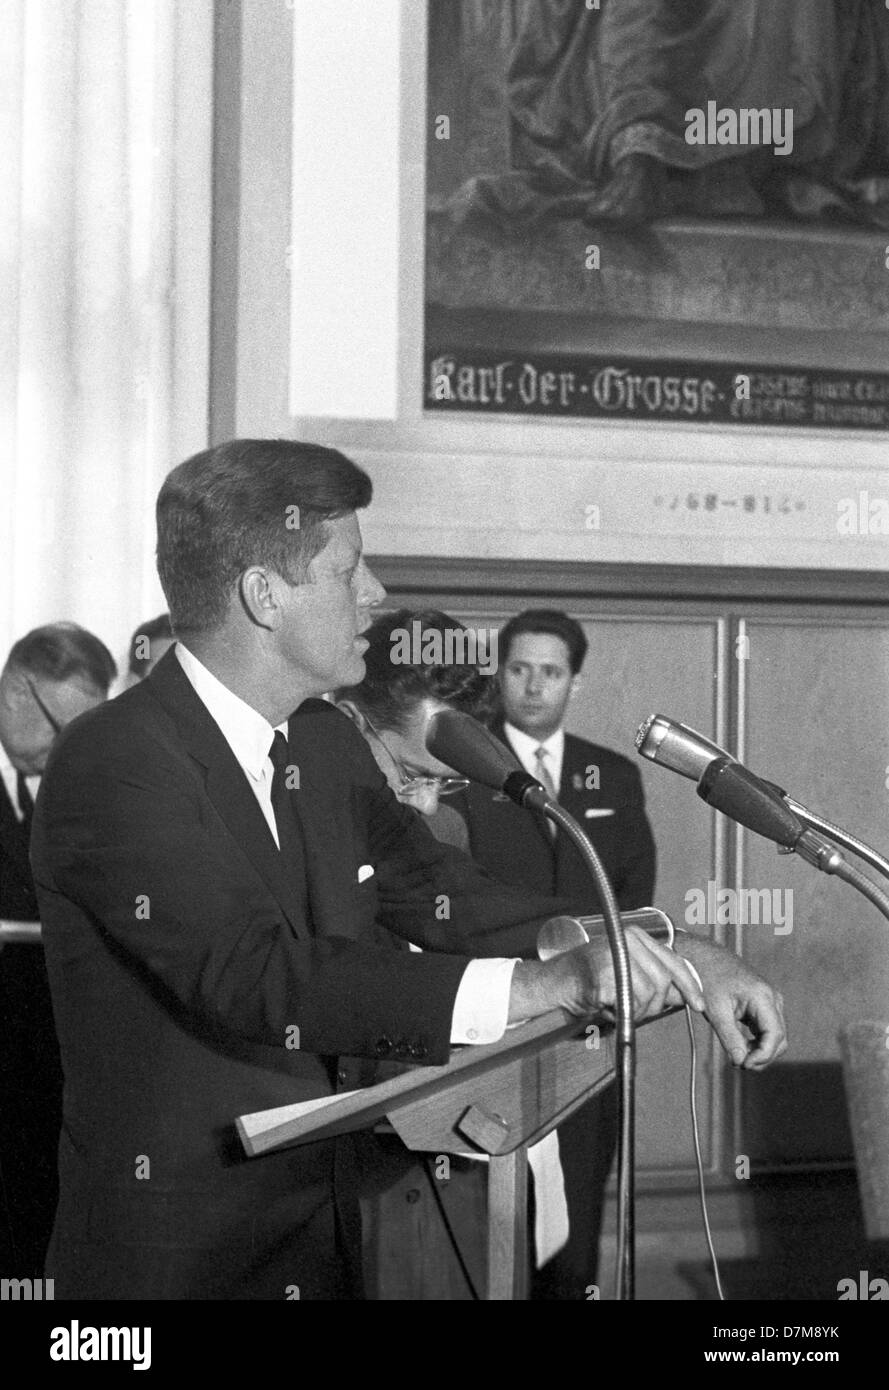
481 1006
526 747
10 779
244 729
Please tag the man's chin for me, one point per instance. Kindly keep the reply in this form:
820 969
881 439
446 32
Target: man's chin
354 670
528 725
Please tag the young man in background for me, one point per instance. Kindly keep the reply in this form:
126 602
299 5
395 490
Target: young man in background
541 653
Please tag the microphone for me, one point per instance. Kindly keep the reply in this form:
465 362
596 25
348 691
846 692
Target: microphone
729 787
723 782
677 746
761 806
472 750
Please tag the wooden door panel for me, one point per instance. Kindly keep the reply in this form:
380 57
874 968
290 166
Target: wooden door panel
816 720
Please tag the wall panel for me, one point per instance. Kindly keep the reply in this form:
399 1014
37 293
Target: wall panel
817 722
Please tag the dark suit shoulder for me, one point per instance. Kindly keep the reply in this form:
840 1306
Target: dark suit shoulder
322 732
329 722
319 706
581 750
323 718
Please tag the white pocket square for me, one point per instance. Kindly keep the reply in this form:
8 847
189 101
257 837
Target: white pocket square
592 811
365 871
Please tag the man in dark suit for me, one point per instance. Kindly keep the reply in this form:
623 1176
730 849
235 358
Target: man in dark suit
540 654
221 870
50 676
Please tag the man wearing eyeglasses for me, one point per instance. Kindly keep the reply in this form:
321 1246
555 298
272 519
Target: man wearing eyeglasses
51 675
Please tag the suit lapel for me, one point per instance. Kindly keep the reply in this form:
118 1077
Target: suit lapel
326 828
576 801
226 785
229 790
563 848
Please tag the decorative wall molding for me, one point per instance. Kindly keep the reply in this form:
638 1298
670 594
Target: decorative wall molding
403 574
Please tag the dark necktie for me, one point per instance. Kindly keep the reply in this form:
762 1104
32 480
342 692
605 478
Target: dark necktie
25 800
289 837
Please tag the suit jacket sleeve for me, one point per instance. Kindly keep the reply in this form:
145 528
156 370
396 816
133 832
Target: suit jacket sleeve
435 895
127 847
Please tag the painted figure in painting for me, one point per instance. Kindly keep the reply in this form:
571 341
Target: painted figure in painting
600 95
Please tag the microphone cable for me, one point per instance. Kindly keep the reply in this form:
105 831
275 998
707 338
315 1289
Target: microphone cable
702 1192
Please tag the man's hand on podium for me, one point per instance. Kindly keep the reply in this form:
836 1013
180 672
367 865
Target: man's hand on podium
737 999
745 1013
582 981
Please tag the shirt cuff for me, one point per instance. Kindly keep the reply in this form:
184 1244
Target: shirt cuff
481 1008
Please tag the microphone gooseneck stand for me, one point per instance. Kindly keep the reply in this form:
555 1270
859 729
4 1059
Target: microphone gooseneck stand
460 742
535 798
815 849
766 809
760 805
842 837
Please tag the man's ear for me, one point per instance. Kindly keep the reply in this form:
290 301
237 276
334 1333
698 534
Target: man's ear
576 683
14 690
350 709
257 592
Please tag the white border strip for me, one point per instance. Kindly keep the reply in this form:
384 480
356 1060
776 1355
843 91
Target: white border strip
344 251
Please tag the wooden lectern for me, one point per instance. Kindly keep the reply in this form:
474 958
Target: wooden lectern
495 1100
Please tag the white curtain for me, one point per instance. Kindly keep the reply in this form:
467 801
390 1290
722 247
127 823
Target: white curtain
105 233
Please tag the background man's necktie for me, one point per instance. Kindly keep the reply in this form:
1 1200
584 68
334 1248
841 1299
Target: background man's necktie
543 774
25 799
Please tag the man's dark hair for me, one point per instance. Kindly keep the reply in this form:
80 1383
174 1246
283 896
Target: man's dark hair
62 652
551 622
248 502
156 628
391 690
